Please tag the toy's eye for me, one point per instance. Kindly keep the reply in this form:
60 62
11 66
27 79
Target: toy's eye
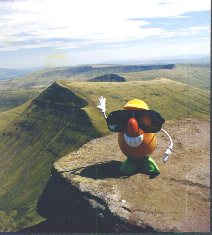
150 121
117 120
146 121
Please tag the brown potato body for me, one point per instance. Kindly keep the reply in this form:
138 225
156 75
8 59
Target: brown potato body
146 148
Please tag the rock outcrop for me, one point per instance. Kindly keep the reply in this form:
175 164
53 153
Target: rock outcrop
108 78
87 193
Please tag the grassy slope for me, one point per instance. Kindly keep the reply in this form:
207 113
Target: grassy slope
195 75
37 133
174 100
45 129
13 98
8 116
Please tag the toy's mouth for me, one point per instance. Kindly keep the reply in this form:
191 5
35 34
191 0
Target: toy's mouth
133 141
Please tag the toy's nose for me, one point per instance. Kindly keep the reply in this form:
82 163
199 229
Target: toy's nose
132 127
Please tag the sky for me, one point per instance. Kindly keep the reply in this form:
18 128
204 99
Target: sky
49 33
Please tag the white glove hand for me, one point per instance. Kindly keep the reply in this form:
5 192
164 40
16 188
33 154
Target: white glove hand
166 155
102 104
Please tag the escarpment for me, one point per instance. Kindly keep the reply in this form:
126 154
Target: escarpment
87 192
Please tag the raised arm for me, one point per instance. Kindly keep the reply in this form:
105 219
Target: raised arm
102 106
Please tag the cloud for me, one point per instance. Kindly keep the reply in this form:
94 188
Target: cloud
85 23
70 32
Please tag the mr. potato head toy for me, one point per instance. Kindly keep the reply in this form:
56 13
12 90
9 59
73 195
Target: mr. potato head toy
136 126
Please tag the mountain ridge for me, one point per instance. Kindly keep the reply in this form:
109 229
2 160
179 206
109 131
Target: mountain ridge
46 129
47 76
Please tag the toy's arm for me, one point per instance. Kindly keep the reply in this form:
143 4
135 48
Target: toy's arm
102 106
169 149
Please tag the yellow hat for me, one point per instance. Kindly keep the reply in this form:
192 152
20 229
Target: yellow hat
136 104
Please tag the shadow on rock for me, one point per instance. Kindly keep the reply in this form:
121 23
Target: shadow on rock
69 209
103 170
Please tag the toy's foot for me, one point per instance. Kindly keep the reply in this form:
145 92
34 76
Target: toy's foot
153 175
129 167
148 165
145 165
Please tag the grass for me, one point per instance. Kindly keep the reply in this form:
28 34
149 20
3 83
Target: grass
60 120
18 91
13 98
44 130
194 75
174 100
8 116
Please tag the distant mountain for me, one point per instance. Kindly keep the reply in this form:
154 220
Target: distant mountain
108 78
14 73
65 72
46 77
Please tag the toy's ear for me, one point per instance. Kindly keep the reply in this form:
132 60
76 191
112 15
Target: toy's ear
151 121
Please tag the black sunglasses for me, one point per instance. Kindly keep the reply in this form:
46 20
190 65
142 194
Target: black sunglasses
117 120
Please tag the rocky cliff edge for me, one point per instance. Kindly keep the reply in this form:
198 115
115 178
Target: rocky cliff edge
87 193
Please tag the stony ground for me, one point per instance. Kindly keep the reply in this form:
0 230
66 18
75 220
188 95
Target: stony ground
176 200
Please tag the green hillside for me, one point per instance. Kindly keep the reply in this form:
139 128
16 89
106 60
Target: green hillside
61 119
17 91
13 98
190 74
43 130
174 100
